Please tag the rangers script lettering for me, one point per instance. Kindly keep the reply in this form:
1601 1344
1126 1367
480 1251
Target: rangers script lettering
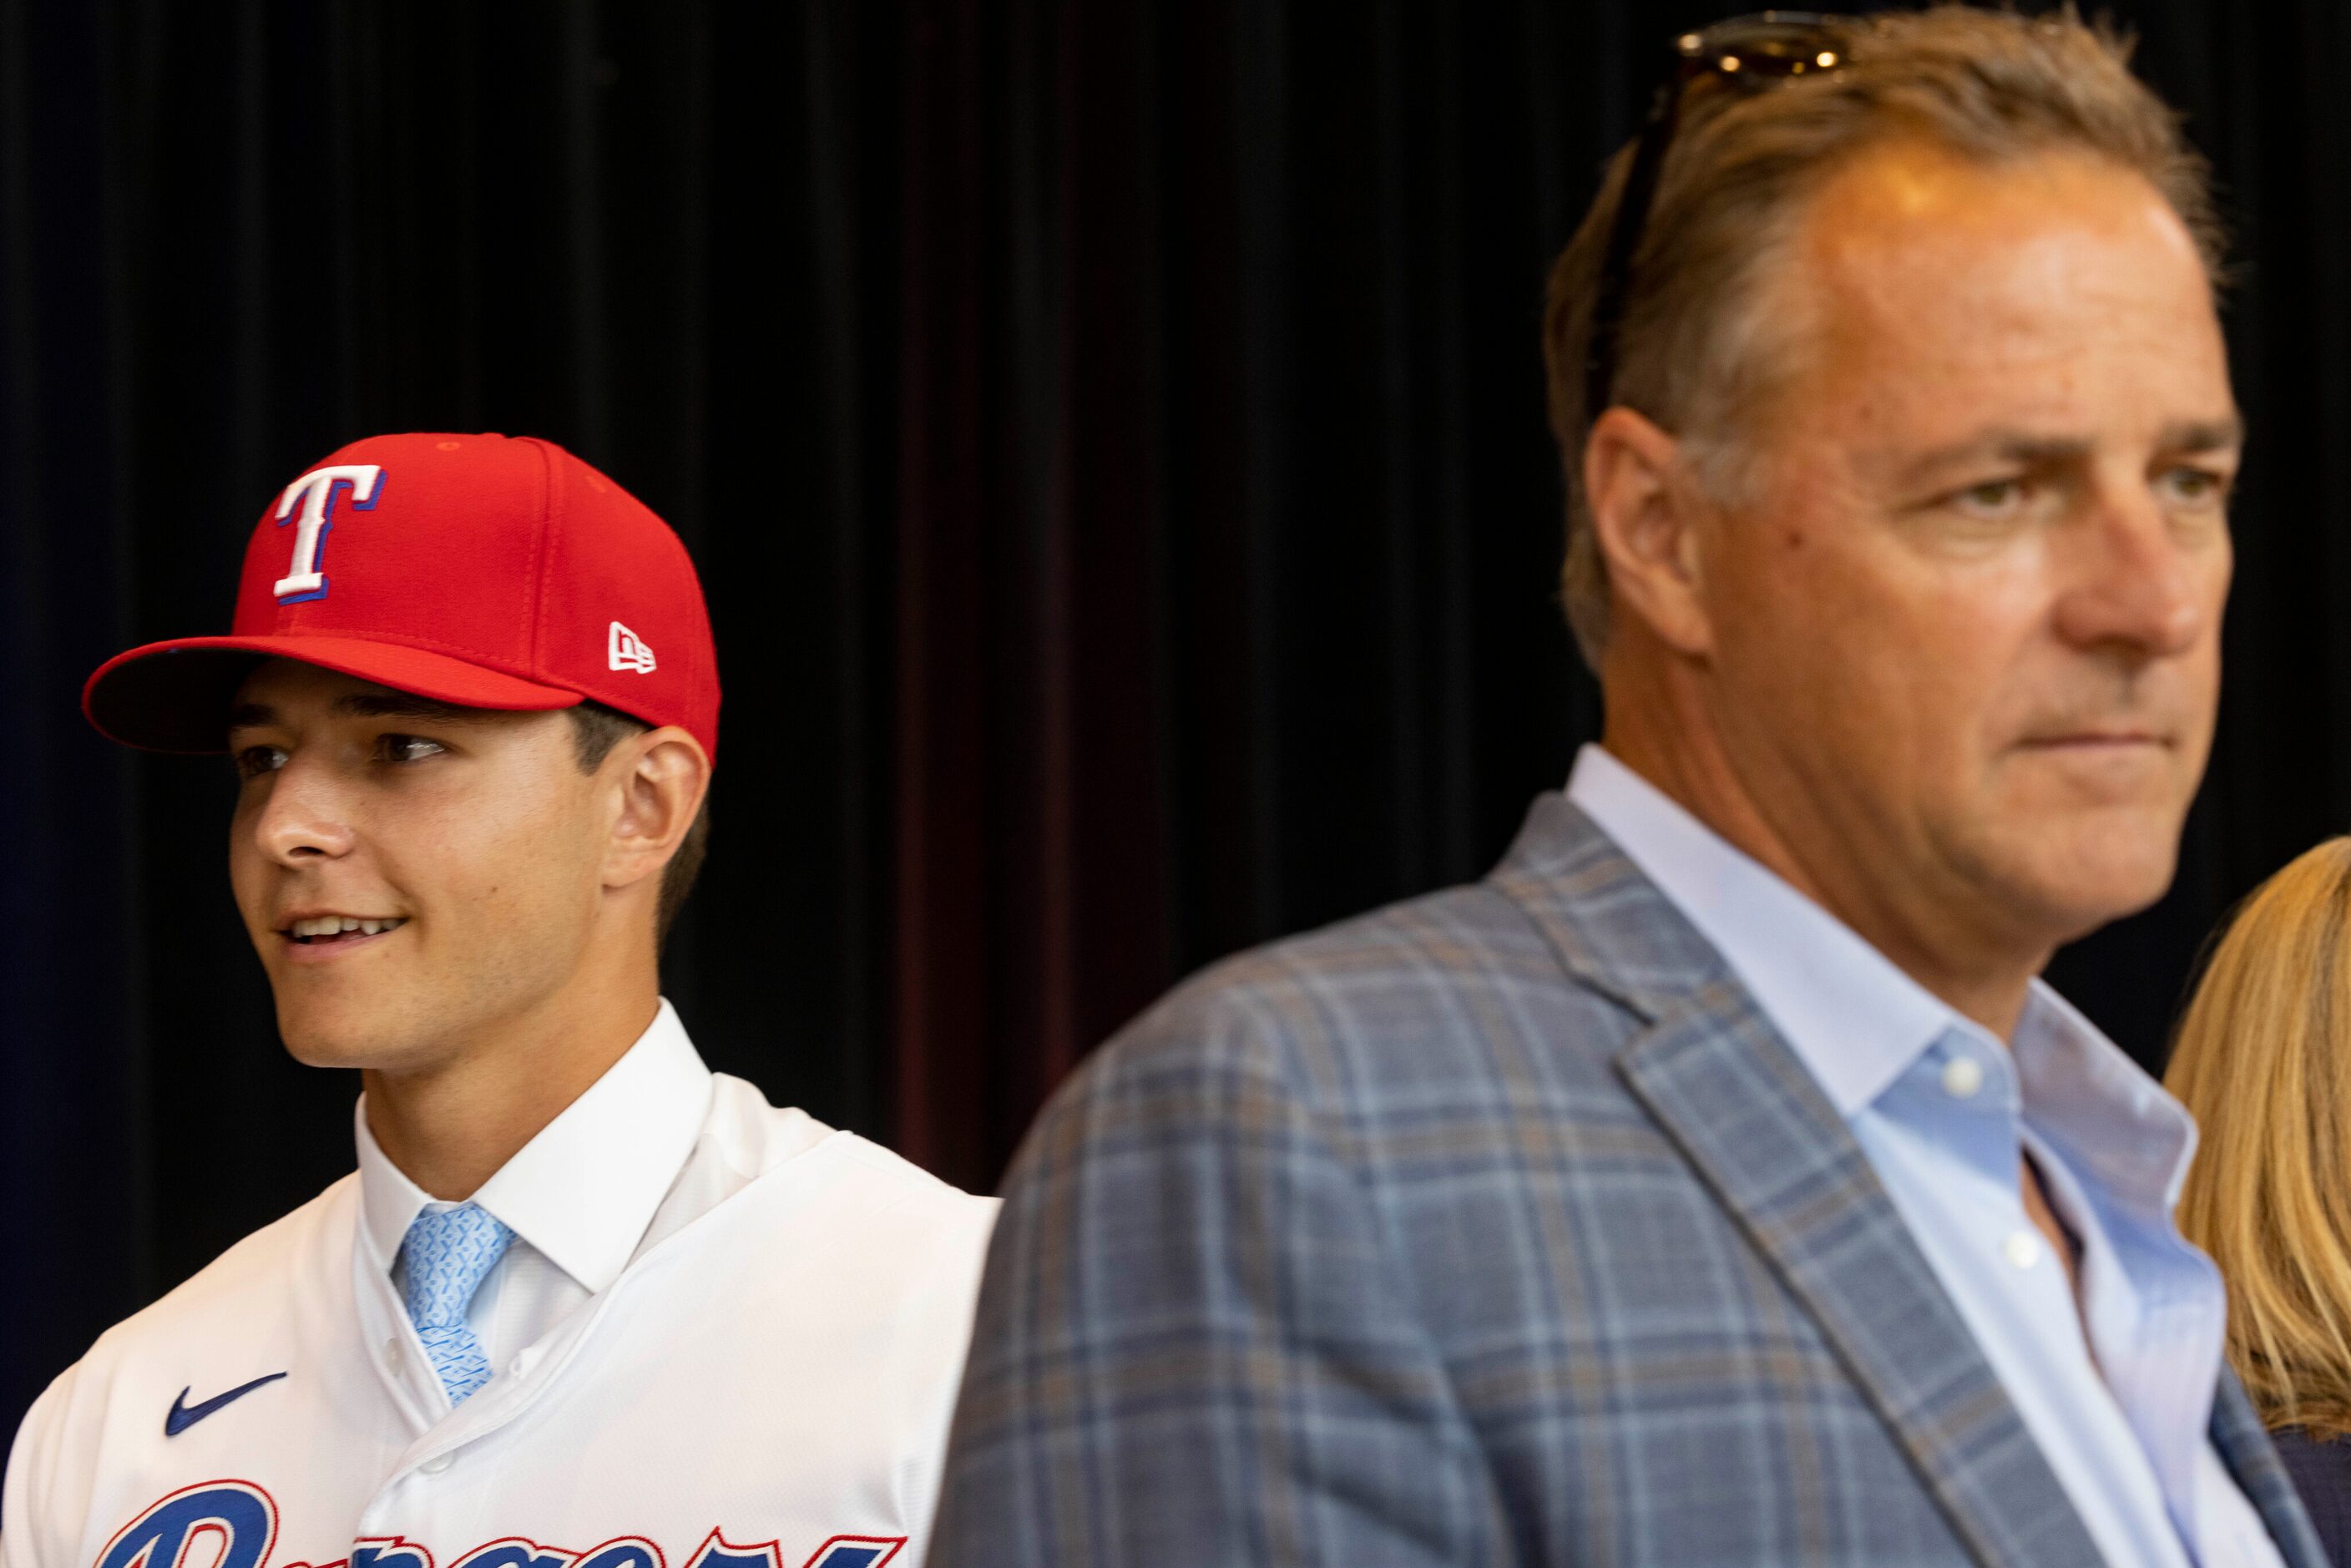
245 1518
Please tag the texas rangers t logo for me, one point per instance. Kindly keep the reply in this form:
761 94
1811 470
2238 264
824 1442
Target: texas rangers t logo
315 493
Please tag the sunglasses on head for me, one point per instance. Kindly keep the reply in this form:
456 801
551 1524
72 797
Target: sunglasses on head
1748 53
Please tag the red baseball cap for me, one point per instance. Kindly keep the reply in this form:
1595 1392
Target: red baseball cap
482 571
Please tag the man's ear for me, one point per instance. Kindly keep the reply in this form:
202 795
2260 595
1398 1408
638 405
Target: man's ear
662 777
1643 520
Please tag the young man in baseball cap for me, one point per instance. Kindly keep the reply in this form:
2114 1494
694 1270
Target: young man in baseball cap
584 1303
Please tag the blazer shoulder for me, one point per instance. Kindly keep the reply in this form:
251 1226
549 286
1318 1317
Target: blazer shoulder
1453 935
1430 987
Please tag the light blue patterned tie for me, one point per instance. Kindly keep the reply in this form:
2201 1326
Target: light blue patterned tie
447 1254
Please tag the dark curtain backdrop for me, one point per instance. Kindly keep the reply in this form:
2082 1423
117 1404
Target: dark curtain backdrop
1110 432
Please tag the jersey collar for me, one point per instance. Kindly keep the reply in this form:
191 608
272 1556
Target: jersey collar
584 1189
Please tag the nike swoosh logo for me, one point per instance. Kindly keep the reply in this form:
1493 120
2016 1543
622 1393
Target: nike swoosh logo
184 1415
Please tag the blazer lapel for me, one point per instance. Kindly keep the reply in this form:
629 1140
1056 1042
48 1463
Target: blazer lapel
1760 1133
2244 1447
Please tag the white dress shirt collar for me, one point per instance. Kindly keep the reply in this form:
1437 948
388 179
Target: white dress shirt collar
1855 1019
584 1190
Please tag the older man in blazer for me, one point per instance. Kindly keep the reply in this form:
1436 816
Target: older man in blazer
1715 1183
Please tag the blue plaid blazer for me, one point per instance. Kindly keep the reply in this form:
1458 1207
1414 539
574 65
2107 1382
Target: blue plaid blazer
1496 1228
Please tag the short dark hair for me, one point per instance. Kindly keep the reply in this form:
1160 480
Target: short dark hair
595 730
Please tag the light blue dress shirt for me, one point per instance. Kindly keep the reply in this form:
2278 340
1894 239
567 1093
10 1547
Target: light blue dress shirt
1945 1110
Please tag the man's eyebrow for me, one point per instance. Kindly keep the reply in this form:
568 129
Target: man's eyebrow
251 716
2202 435
2050 451
2009 446
404 704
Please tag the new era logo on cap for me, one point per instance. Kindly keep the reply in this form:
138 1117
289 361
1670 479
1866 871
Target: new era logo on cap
473 570
627 650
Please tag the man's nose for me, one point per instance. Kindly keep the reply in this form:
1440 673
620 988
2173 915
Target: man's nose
2142 583
305 818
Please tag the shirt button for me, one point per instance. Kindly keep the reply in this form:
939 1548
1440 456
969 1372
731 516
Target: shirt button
1962 1076
435 1465
392 1353
521 1365
2022 1248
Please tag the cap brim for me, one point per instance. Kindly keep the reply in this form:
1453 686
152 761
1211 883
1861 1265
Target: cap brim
175 695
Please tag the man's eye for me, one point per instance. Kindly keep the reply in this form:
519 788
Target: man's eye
253 761
1992 499
406 748
2192 487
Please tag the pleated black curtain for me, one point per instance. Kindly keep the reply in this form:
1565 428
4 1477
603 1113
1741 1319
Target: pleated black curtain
1110 432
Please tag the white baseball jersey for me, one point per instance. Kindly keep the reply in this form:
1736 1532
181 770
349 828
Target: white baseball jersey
727 1336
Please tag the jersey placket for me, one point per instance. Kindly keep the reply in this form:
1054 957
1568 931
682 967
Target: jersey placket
521 1381
393 1347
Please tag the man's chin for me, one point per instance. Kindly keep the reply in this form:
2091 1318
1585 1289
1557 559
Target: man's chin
322 1038
2073 889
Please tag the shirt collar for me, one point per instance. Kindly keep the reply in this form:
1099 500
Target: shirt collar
2101 1111
1855 1019
1858 1023
584 1189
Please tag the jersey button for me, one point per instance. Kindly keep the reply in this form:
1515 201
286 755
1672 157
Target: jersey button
392 1354
435 1465
521 1365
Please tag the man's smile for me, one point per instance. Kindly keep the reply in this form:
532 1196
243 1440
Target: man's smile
316 936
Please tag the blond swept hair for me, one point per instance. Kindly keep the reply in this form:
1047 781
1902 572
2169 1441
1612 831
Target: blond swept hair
1696 352
2264 1062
